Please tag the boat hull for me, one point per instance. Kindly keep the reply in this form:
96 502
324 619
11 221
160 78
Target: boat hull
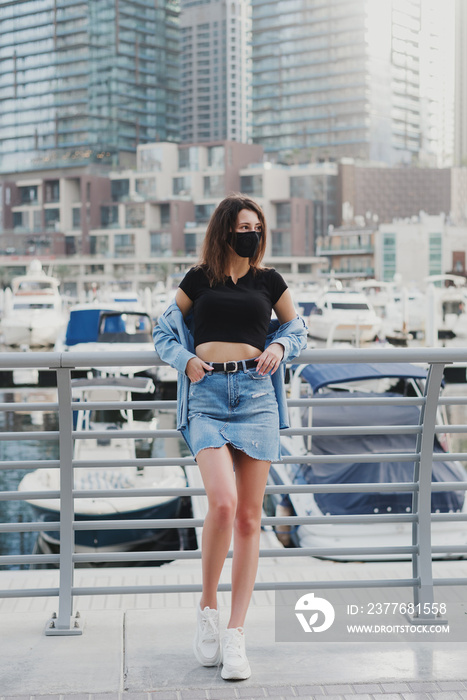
38 332
110 540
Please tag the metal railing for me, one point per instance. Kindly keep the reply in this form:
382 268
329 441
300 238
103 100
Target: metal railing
420 518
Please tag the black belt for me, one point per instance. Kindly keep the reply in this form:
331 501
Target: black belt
232 366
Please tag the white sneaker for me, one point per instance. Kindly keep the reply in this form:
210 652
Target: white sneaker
206 644
235 664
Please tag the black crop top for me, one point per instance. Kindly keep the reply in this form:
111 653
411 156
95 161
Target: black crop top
233 313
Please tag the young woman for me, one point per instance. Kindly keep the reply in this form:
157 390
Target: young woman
231 404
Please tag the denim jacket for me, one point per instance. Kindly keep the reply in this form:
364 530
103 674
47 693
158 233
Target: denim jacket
173 340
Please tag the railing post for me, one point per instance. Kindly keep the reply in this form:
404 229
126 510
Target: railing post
421 528
63 623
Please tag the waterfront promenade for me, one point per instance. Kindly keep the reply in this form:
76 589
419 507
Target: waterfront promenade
138 647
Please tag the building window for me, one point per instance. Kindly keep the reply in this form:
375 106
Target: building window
99 245
120 190
52 191
146 187
181 185
165 214
252 184
150 159
76 217
28 195
18 219
203 212
435 254
188 158
134 216
52 219
214 186
283 213
160 244
190 243
124 245
109 216
389 257
216 156
281 243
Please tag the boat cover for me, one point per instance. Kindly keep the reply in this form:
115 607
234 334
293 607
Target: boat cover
373 472
83 326
322 375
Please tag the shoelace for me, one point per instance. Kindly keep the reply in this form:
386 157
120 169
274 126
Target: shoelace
209 628
233 644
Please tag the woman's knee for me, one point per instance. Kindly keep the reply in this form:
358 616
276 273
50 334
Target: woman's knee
247 522
223 508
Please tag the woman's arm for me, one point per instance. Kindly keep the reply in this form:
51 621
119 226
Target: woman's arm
270 359
195 368
183 302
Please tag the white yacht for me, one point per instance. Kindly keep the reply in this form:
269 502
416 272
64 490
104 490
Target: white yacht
101 436
342 315
34 314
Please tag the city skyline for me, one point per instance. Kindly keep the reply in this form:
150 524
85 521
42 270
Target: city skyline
88 81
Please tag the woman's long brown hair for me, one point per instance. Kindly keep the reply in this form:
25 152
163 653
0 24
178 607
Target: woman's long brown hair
216 250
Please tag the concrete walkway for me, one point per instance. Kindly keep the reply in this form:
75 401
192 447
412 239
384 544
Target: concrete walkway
138 647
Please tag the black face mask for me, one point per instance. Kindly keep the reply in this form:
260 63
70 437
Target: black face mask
246 244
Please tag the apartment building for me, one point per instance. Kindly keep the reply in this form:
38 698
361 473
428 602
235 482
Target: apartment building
354 78
86 82
409 249
215 97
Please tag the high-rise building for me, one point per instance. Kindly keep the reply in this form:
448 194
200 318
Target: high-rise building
215 98
343 78
86 81
460 106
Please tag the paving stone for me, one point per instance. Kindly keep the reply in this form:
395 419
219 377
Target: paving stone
451 685
358 696
424 687
279 691
445 695
221 693
395 687
415 696
309 690
193 694
246 692
161 695
366 688
386 696
338 689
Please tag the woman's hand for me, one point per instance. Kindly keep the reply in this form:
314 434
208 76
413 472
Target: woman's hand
196 369
270 359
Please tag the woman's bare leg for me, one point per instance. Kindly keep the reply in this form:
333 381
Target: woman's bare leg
216 467
251 477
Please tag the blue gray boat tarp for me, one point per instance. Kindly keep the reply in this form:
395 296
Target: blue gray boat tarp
373 472
321 375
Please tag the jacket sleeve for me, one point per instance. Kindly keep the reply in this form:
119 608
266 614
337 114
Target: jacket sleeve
292 336
169 346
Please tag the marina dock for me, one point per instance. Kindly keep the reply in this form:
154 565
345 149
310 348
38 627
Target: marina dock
139 647
136 623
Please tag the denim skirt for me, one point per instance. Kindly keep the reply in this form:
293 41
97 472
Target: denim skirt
238 408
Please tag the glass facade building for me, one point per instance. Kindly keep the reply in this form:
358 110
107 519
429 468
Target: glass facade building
215 89
338 78
86 81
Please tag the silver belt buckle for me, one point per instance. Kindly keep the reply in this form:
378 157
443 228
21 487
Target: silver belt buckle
227 366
